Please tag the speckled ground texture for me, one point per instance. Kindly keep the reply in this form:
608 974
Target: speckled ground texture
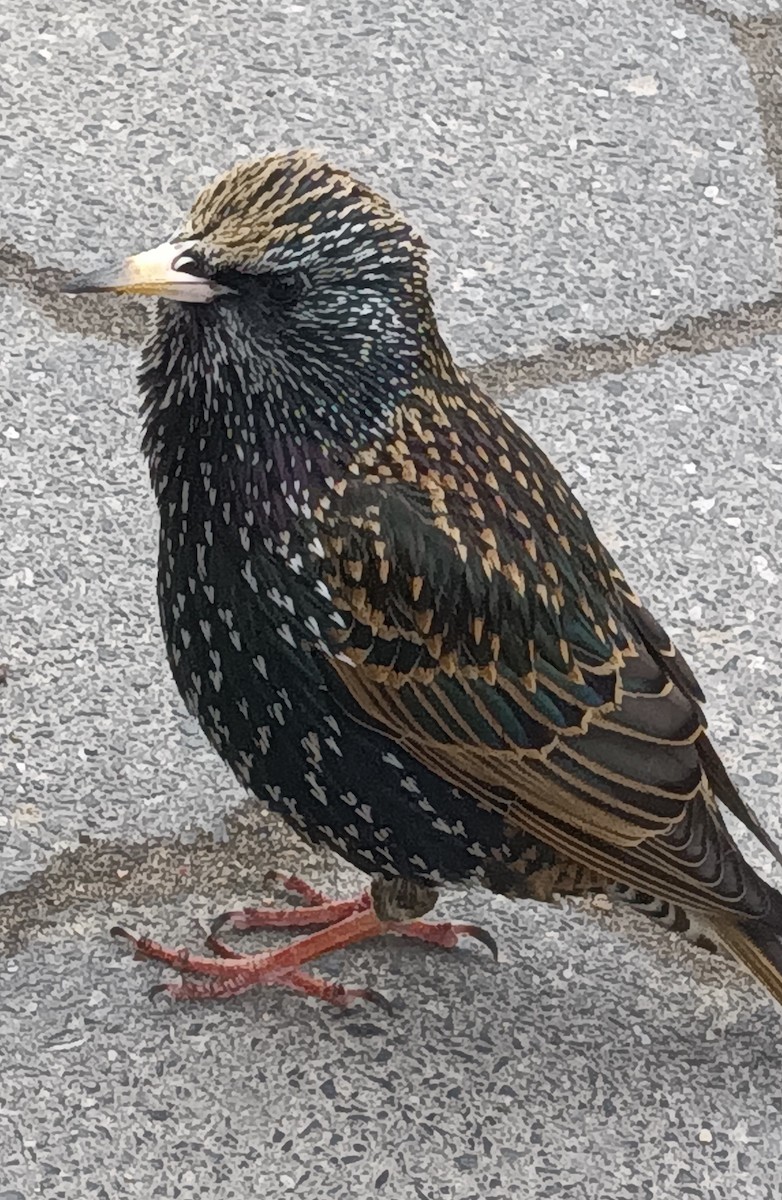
599 181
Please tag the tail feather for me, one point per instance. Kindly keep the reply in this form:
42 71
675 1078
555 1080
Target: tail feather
759 948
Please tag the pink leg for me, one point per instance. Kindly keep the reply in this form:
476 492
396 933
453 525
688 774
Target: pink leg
296 981
319 910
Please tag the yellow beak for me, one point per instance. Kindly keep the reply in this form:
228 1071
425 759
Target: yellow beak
151 273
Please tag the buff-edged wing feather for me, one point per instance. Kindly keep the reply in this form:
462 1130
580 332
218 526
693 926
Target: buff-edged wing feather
533 679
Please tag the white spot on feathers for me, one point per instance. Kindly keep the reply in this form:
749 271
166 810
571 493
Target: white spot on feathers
311 744
282 601
247 572
318 792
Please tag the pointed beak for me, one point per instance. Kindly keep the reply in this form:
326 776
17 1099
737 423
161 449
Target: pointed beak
151 273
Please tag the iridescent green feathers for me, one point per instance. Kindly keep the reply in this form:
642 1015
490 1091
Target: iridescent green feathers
491 635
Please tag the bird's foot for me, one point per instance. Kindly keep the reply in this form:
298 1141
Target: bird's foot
229 973
338 923
318 910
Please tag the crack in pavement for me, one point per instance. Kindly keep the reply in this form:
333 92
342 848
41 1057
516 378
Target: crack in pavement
163 868
563 363
572 362
759 40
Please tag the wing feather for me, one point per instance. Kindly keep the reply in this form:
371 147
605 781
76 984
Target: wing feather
515 662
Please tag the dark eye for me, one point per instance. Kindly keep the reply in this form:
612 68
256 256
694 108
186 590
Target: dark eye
284 290
191 263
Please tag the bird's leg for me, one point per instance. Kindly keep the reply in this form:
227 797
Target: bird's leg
297 981
443 933
229 972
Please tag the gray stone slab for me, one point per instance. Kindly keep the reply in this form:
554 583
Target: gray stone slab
578 166
599 1059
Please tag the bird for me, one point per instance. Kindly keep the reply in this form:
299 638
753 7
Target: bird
388 612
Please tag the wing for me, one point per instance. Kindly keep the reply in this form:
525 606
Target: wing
502 648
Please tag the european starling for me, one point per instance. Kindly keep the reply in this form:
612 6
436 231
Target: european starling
385 607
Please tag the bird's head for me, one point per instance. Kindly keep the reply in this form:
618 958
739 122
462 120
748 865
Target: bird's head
294 311
296 254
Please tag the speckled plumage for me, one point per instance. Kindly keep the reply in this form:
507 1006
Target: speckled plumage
384 605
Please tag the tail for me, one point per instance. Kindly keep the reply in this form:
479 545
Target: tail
759 948
755 943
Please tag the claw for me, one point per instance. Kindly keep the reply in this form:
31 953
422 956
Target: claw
484 937
119 931
374 997
219 948
221 920
299 887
